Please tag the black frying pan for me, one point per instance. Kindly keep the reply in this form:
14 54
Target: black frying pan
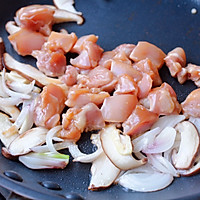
165 23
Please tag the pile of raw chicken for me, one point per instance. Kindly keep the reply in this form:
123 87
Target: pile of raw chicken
142 134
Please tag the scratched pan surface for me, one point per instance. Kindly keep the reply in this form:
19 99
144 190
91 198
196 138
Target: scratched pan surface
165 23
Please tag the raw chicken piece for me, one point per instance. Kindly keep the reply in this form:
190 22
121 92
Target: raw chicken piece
60 41
76 120
36 18
88 57
119 68
163 100
144 86
175 61
49 105
126 85
117 108
51 59
51 63
97 78
145 50
193 73
25 41
120 53
79 97
79 46
191 104
147 67
182 76
139 121
106 59
126 48
70 76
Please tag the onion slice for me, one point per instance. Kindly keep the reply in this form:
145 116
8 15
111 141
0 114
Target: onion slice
161 164
44 160
49 137
145 182
168 120
145 139
163 141
88 158
10 92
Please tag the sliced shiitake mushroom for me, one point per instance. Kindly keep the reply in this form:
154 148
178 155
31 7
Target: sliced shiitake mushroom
61 16
66 5
12 111
28 71
103 173
27 140
118 148
189 146
195 169
2 51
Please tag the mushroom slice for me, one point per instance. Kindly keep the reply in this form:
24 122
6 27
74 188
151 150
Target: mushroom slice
61 16
12 111
119 149
189 146
29 139
28 71
103 173
12 28
2 51
66 5
5 125
195 169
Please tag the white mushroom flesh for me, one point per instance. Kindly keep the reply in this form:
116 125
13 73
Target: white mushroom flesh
103 173
189 145
118 148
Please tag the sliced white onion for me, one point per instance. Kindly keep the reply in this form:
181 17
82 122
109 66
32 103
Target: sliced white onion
168 120
75 151
147 168
58 146
145 139
163 141
57 139
161 164
10 101
28 122
22 87
22 116
88 158
5 125
2 93
145 182
10 92
44 160
49 138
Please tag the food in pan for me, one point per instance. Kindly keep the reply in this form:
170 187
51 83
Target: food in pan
140 130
